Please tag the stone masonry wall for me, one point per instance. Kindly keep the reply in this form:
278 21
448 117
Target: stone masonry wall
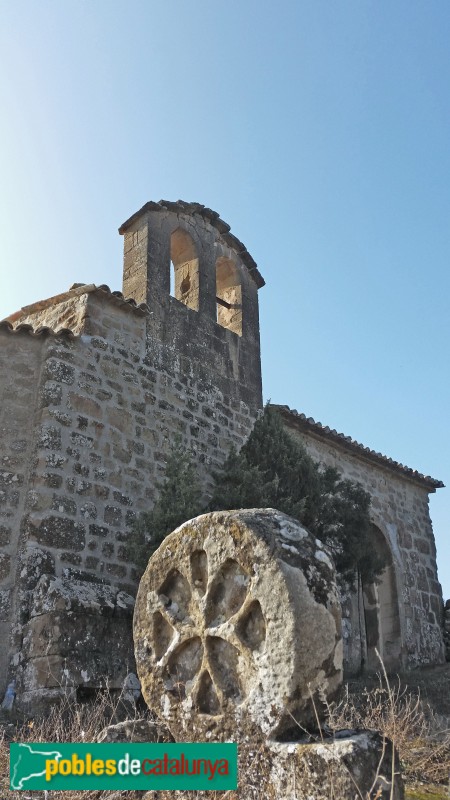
400 510
108 401
102 410
108 417
179 336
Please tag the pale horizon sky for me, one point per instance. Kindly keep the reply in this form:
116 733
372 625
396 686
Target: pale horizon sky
320 132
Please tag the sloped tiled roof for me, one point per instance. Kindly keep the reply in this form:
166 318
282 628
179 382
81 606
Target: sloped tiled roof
308 425
76 290
23 328
182 207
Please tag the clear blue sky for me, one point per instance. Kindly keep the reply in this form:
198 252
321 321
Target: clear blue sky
320 131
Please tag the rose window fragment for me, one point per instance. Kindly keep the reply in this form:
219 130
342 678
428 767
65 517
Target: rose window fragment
205 633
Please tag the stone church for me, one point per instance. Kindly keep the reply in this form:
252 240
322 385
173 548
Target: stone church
95 384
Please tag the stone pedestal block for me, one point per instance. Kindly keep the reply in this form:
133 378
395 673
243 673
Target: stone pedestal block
352 766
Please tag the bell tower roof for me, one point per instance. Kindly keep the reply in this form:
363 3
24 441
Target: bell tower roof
182 207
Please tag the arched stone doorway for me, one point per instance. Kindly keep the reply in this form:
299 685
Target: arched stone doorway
381 612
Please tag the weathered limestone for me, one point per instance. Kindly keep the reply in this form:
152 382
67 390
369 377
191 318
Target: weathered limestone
134 730
67 640
237 627
237 638
350 765
353 766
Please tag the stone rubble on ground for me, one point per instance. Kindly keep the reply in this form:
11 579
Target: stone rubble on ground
134 730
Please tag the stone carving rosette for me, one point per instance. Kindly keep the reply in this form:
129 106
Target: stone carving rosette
237 627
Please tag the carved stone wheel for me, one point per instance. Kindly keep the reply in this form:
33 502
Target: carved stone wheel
237 626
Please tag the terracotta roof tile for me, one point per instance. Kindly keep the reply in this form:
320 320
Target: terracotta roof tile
21 329
309 425
76 290
182 207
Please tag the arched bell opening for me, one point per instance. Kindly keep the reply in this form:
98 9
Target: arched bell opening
228 295
184 281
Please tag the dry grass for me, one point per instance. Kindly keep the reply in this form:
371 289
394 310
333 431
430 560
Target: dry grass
393 710
67 722
423 746
74 722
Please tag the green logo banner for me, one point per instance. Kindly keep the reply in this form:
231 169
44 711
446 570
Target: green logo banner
125 766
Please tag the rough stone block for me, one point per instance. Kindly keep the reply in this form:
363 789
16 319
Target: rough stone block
59 371
36 563
5 604
57 594
50 438
134 730
58 532
352 766
79 635
113 515
64 504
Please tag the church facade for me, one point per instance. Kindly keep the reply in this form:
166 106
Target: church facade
95 386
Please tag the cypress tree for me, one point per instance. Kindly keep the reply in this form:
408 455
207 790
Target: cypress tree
273 470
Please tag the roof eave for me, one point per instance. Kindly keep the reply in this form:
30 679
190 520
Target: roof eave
309 425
